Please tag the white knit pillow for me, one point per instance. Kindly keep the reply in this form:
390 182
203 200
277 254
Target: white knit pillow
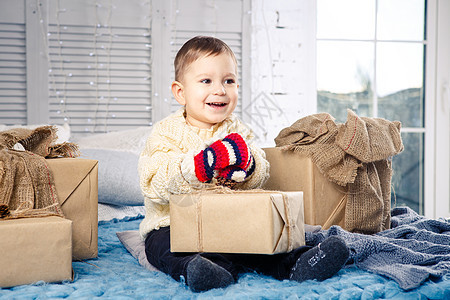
132 140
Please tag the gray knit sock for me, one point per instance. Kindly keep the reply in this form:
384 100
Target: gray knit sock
322 261
202 275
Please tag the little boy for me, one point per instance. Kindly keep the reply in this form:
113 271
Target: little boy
204 142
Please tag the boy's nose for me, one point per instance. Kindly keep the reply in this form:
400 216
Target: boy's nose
220 90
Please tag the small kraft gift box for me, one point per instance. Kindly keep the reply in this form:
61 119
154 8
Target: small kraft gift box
255 221
35 249
324 201
76 183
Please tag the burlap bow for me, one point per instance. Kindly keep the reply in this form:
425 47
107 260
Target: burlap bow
26 183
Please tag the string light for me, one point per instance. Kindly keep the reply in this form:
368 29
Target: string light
95 55
59 77
62 102
45 34
108 65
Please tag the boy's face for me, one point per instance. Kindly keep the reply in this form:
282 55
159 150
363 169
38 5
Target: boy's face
208 89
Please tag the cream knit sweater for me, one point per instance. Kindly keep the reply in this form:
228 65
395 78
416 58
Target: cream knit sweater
166 165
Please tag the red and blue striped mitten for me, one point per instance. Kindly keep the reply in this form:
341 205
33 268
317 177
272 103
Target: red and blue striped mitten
237 174
229 151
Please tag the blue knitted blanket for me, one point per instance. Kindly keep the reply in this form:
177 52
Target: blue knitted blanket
414 249
116 274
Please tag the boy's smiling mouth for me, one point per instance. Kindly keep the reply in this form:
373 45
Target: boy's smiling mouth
216 104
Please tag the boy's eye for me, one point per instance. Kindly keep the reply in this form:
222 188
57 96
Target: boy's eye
206 81
229 81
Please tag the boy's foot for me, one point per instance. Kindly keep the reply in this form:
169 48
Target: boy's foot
322 261
202 275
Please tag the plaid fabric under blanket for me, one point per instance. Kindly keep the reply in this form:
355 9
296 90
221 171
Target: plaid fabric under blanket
414 249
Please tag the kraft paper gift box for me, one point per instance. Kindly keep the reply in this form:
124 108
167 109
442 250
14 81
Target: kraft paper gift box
324 201
240 222
35 249
76 183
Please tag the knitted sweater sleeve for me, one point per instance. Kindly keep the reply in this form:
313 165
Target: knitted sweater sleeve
160 168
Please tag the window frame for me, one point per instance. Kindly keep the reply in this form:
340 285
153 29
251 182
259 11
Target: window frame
437 116
436 190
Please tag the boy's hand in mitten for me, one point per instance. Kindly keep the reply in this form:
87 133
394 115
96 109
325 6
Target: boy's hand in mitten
233 173
230 151
236 173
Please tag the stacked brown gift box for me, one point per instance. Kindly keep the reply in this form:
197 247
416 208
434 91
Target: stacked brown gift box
42 248
35 249
76 182
324 201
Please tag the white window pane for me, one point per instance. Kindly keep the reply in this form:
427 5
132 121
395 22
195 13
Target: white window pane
349 19
407 181
344 67
401 20
345 77
400 82
399 67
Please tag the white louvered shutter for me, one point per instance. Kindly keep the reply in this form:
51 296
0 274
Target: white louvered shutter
106 65
100 64
13 95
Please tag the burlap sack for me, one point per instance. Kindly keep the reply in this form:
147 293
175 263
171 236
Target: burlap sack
356 154
26 183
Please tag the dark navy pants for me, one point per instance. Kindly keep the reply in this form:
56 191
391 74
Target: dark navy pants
157 249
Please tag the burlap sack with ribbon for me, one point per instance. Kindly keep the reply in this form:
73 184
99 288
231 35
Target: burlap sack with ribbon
26 183
356 155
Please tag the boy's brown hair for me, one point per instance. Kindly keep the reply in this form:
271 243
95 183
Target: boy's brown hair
197 47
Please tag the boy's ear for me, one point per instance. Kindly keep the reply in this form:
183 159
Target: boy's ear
178 92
